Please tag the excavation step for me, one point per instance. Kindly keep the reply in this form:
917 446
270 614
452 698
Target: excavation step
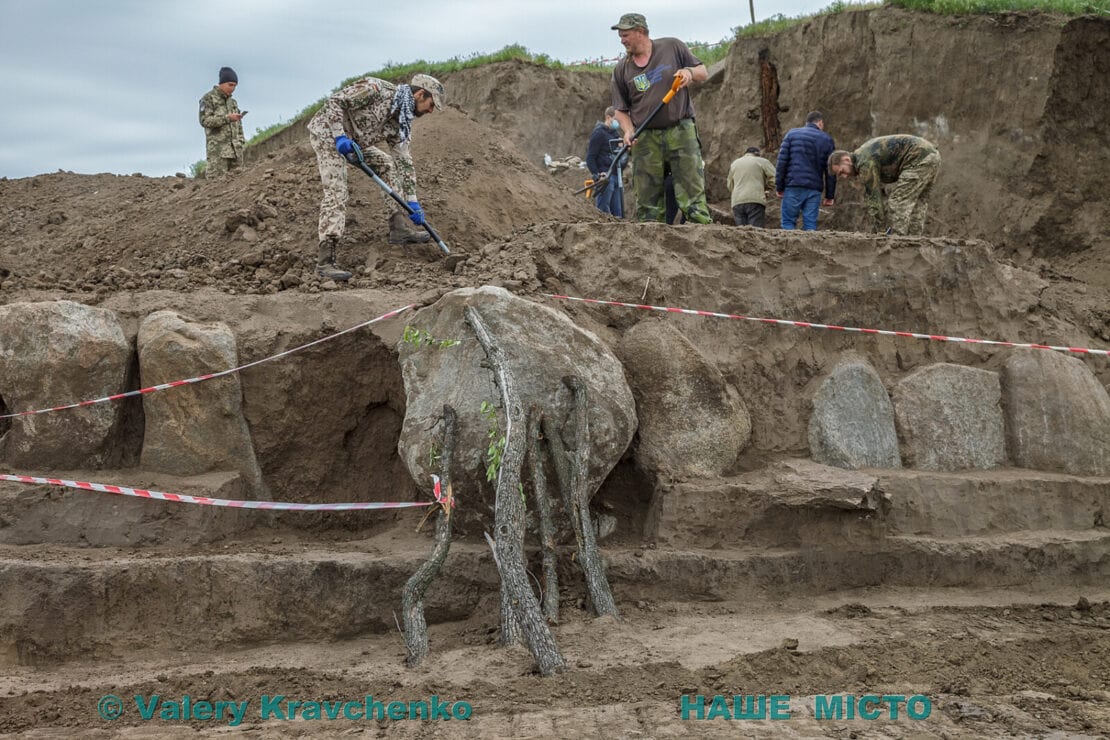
985 501
32 514
799 502
58 604
1077 557
45 514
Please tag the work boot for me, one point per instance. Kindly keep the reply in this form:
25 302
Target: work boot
325 264
402 231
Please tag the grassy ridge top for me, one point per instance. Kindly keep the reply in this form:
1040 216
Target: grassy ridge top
707 52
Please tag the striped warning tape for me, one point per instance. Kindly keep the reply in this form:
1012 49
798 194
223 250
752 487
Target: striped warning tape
208 376
231 503
813 325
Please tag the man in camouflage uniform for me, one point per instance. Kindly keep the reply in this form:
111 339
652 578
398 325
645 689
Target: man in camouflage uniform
640 80
223 128
910 162
362 113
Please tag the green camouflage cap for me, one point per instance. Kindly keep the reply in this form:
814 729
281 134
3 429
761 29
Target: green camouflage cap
629 21
432 85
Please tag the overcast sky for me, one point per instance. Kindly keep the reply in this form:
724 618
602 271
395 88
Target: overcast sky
112 85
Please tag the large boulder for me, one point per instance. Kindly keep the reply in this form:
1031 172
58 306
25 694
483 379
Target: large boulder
1057 414
195 428
692 422
950 418
852 425
541 347
53 354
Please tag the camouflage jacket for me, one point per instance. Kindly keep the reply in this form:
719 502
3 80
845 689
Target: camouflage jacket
362 111
881 160
224 137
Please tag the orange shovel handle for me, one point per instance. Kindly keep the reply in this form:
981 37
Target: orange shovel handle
674 89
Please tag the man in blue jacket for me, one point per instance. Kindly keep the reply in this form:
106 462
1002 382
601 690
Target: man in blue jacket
802 174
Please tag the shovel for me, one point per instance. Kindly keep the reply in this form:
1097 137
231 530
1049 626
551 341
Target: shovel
604 180
357 160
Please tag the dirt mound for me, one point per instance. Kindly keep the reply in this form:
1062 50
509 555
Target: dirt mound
256 231
543 111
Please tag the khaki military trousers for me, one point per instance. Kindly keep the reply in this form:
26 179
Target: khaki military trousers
908 202
333 174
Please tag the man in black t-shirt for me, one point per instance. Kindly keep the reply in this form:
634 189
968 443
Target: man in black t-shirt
640 81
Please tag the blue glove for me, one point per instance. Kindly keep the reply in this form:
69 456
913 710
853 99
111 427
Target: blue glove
417 215
344 145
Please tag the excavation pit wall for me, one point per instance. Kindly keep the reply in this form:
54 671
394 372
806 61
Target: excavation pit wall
325 425
325 421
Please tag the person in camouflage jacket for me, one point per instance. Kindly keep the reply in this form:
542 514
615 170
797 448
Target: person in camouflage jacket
223 127
909 162
362 113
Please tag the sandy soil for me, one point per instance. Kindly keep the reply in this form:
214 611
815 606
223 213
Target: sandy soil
992 662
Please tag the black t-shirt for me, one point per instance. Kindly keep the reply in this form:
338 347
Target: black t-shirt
637 90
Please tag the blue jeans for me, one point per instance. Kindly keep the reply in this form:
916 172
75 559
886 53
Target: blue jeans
609 200
800 199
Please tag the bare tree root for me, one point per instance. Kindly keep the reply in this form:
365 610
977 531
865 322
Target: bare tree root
559 457
589 558
512 631
412 597
547 525
509 513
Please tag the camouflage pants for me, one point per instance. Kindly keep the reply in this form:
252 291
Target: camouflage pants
333 174
909 197
677 146
219 166
220 157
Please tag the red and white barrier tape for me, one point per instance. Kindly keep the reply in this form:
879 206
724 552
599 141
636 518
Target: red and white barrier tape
209 376
812 325
437 489
204 500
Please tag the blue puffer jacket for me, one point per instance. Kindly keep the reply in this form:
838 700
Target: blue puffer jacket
804 160
599 155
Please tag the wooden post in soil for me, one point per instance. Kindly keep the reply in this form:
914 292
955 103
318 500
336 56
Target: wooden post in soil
543 508
412 597
589 558
509 512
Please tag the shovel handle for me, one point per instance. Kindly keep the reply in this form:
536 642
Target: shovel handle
674 89
357 160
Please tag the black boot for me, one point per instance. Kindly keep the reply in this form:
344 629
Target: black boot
325 264
401 230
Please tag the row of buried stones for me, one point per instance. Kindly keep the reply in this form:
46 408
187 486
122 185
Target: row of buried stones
62 350
1044 410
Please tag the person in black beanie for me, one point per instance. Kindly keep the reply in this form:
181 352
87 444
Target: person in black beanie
223 128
